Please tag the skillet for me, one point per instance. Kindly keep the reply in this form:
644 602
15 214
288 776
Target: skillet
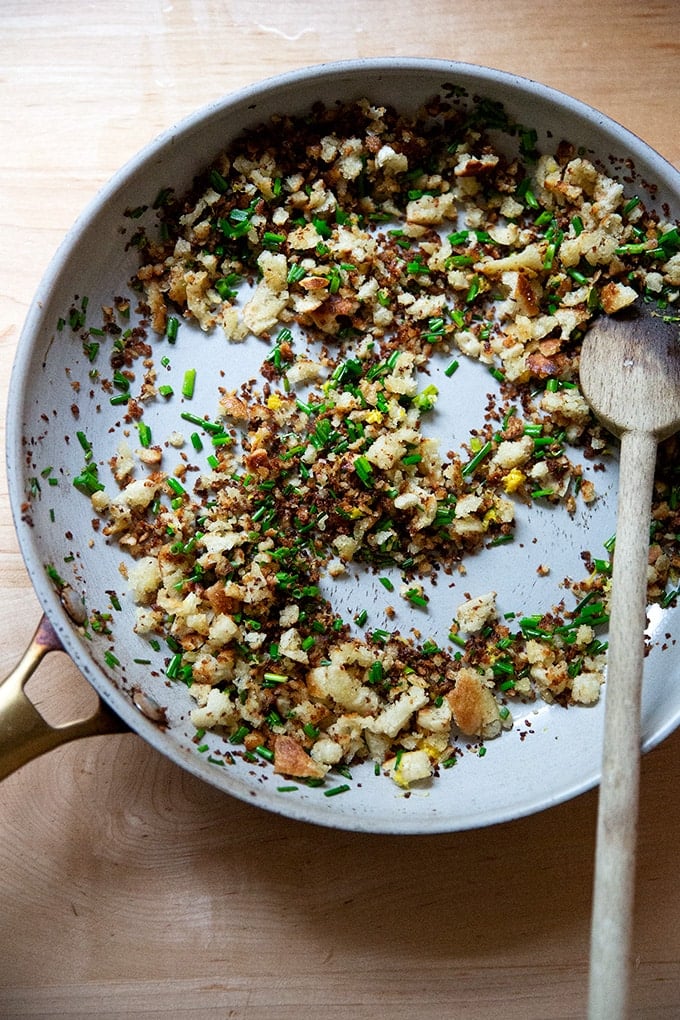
552 753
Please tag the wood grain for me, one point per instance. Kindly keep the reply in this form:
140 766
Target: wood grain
129 888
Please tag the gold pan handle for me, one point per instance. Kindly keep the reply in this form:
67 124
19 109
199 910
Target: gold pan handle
24 734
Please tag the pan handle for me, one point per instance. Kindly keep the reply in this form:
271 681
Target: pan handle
24 734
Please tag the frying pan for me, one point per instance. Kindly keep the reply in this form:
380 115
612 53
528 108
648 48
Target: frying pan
551 753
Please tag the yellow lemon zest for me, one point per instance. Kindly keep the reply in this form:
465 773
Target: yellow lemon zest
513 480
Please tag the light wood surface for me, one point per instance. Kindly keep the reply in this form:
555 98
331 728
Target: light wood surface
128 888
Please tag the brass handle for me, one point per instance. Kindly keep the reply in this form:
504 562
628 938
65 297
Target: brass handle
24 734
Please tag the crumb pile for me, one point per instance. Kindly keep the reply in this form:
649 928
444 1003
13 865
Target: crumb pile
365 250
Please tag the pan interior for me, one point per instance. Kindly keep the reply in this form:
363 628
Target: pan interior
551 753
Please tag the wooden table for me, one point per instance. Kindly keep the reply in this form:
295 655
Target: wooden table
128 888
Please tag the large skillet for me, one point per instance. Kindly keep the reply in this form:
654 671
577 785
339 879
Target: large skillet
553 753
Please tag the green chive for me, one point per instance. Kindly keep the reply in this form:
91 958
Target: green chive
218 182
473 290
239 735
144 434
213 427
364 470
471 465
189 383
274 678
176 486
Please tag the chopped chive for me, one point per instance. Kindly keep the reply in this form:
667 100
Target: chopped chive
54 576
274 678
380 635
473 290
84 442
173 667
335 790
602 566
472 464
526 195
543 218
456 639
176 486
88 480
364 470
172 329
144 434
189 383
218 182
213 427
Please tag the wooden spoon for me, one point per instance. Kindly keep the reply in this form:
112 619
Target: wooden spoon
630 376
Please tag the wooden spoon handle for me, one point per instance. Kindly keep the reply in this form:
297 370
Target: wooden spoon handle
613 898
